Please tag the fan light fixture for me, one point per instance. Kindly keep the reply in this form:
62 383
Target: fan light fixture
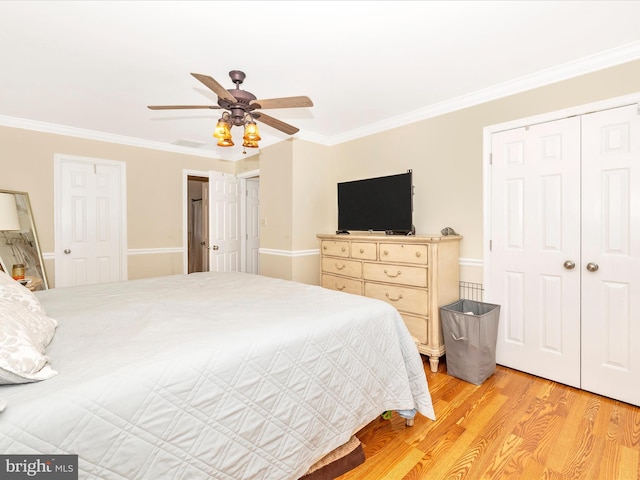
223 130
240 106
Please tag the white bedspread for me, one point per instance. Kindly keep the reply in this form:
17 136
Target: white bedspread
216 375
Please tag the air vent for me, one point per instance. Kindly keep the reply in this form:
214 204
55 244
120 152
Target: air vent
183 142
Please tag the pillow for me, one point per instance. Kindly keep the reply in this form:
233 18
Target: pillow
13 291
24 335
41 327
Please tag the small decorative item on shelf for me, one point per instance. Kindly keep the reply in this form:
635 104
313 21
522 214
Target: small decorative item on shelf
18 271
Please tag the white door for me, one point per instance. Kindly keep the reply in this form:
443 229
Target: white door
224 223
611 243
253 226
535 232
90 222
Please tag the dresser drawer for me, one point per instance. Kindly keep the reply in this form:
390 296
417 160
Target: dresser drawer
350 268
364 251
347 285
401 274
337 249
395 252
418 327
405 299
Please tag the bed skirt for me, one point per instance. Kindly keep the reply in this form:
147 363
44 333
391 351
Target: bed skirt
338 462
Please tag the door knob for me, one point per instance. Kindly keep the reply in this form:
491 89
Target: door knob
592 267
67 251
215 247
569 265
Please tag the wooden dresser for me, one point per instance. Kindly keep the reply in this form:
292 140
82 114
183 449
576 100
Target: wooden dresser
415 274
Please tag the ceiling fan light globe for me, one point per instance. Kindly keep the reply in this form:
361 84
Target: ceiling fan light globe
225 142
222 130
251 132
250 143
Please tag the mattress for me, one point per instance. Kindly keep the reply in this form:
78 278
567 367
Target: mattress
211 375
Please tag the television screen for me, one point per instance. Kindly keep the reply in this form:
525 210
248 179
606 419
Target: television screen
379 204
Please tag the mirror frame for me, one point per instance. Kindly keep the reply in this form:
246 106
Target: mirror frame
28 228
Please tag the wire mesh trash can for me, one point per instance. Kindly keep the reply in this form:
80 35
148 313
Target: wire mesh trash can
470 332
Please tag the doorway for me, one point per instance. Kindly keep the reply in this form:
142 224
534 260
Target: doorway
208 208
197 224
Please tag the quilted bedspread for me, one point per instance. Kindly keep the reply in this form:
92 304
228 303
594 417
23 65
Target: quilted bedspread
224 376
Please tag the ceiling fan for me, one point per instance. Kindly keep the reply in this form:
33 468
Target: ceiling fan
240 109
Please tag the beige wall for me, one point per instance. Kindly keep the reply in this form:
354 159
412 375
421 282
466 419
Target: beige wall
294 194
313 212
298 179
446 153
154 191
248 164
276 176
313 195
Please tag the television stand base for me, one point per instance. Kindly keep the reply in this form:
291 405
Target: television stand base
342 232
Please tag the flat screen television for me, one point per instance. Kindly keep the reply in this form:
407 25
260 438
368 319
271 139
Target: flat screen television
377 204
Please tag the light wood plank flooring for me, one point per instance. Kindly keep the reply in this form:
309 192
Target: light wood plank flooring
513 426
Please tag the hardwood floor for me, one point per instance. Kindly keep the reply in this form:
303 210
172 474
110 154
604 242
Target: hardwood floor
513 426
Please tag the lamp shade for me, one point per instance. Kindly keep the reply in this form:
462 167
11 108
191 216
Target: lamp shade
8 212
222 130
251 133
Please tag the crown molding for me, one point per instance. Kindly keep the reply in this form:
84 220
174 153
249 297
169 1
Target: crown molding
118 139
582 66
575 68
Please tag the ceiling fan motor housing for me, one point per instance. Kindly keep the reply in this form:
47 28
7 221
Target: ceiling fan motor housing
237 116
243 98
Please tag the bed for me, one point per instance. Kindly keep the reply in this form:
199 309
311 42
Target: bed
210 375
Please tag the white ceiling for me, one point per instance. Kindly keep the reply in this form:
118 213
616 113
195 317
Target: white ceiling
91 68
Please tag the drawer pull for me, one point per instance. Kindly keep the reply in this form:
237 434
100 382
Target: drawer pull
386 252
343 249
392 276
418 254
362 250
340 288
324 247
340 267
393 299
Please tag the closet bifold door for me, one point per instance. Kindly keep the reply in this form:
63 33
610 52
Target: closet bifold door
610 265
535 233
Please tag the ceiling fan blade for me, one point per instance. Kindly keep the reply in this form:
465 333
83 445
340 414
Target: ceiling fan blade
215 87
180 107
275 123
285 102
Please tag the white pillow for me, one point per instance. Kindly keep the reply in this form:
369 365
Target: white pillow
24 336
16 293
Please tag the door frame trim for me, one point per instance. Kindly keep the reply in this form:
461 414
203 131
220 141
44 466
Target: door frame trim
488 131
58 159
242 178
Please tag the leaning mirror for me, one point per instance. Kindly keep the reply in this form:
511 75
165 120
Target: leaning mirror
20 254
